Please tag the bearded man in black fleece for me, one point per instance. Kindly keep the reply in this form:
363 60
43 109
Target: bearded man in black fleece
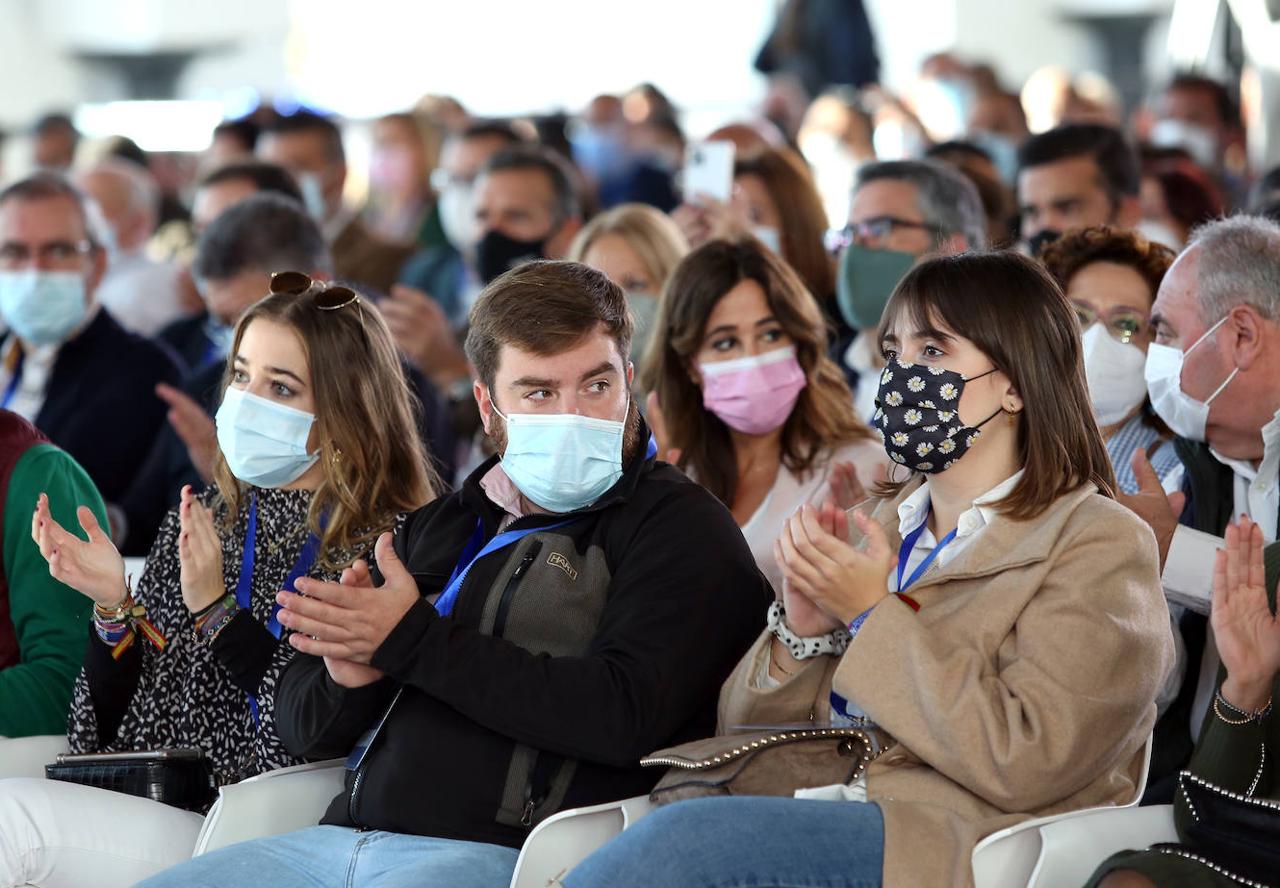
575 606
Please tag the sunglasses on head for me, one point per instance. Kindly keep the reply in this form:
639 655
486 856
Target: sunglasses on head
327 299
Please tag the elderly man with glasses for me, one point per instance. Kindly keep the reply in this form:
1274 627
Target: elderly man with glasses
65 363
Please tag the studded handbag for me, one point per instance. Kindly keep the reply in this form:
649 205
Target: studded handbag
1233 834
774 763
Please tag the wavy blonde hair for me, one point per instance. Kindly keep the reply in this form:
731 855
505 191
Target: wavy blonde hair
656 239
375 466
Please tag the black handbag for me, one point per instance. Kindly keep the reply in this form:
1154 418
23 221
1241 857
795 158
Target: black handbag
182 778
1232 834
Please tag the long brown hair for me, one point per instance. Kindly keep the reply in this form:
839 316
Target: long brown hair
804 221
1016 314
374 463
823 418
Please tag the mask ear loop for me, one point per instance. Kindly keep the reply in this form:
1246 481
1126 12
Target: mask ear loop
1226 382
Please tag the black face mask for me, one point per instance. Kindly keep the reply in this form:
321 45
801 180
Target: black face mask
496 254
1042 239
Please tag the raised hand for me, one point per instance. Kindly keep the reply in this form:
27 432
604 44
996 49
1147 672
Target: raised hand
199 554
193 426
819 562
94 568
1246 631
341 621
345 672
1152 504
422 331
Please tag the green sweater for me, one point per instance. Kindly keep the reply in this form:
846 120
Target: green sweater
48 618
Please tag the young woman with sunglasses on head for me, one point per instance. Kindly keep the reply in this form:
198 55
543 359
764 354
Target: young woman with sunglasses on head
318 456
1004 664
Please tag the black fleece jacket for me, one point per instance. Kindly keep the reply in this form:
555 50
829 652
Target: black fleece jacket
568 656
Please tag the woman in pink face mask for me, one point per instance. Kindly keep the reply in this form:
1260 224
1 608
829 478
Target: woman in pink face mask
744 399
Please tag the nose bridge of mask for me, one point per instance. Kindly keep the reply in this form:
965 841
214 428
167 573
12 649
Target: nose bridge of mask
716 369
255 415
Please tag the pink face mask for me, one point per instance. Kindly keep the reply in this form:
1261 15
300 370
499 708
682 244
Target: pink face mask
753 395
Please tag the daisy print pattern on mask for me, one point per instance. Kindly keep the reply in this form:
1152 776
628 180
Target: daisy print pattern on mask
915 431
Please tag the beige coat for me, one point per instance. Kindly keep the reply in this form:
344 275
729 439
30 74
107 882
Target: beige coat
1024 686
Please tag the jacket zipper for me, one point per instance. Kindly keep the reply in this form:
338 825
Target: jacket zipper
509 591
364 764
539 774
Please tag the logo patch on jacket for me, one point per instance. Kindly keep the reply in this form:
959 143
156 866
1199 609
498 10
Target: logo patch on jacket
555 559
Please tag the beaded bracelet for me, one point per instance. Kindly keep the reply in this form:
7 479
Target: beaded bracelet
1243 717
801 647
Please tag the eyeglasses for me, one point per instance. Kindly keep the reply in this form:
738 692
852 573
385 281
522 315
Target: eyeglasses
328 299
1122 324
56 253
880 227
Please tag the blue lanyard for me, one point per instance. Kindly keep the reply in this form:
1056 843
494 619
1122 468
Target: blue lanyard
244 584
476 549
16 380
909 543
473 551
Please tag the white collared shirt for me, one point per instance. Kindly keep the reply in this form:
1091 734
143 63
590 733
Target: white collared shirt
1188 571
37 367
914 512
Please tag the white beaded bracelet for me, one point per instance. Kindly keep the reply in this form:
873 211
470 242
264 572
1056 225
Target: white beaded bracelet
800 647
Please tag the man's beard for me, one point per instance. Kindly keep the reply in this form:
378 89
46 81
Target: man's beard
631 442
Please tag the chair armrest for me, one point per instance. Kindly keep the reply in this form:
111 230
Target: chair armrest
27 756
1073 847
271 803
564 840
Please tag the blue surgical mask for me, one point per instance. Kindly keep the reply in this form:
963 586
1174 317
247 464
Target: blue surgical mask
264 443
562 462
769 236
313 196
42 307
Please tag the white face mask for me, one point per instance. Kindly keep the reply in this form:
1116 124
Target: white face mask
264 443
458 217
1184 414
1114 371
1199 142
313 196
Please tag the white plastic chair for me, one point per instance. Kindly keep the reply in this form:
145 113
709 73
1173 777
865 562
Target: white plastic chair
1020 857
269 804
133 569
564 840
1047 852
27 756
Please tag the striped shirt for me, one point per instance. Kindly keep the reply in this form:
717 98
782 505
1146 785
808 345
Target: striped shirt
1129 437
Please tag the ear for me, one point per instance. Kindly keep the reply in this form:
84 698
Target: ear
631 373
1011 401
694 373
1249 345
484 402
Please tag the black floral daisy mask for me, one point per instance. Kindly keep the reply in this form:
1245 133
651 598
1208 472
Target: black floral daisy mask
917 415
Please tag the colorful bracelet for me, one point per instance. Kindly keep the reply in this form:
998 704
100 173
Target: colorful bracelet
119 626
210 622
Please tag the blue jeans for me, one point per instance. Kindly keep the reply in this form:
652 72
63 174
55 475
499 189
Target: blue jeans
743 842
337 856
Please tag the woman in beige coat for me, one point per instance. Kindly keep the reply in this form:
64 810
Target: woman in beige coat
1007 660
